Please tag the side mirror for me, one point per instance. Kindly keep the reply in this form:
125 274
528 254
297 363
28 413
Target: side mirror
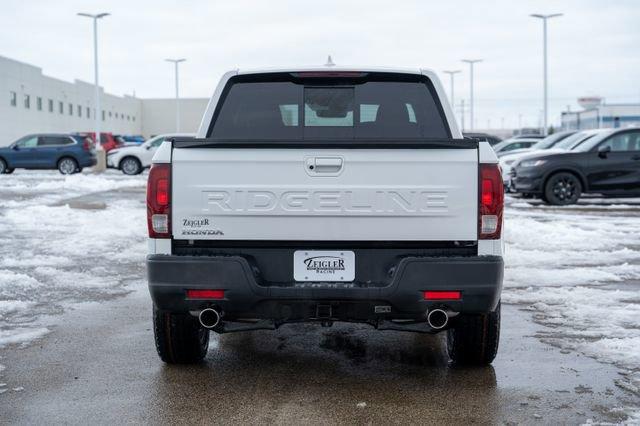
148 147
15 147
603 151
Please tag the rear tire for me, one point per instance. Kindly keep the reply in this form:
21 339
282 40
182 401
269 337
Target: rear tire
473 340
67 166
8 171
180 339
130 166
3 166
562 189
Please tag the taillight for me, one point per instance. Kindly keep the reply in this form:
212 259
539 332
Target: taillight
491 202
85 144
159 201
328 74
205 294
441 295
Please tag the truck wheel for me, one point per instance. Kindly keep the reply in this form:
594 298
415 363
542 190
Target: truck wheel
562 188
473 340
67 166
180 339
130 166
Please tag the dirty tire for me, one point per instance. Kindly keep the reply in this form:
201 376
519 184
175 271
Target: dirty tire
179 337
562 188
473 340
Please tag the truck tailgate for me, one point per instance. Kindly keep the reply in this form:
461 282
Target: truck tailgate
324 194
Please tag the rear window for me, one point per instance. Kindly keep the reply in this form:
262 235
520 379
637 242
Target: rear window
373 106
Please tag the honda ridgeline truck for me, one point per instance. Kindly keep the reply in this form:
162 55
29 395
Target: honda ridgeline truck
326 194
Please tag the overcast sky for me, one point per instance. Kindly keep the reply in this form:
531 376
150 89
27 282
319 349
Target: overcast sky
594 49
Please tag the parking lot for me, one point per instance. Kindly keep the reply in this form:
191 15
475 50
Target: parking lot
75 327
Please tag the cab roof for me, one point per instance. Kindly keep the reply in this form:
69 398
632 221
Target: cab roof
269 70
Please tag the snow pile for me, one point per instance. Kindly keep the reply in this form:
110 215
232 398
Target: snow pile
53 256
44 187
579 274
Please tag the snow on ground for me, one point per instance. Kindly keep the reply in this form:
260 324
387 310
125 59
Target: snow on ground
53 255
576 268
578 272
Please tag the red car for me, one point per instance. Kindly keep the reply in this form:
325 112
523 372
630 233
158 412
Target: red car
107 140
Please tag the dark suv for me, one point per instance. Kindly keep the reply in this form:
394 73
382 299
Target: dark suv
67 153
607 163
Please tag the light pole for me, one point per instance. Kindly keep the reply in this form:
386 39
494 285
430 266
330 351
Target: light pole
519 124
97 114
176 62
452 74
544 41
471 62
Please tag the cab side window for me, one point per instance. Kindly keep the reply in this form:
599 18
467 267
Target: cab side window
156 143
622 142
54 141
513 146
28 142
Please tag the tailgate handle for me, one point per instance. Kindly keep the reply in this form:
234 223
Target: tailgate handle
327 164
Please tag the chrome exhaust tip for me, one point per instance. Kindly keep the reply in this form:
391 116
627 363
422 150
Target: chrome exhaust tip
209 318
437 319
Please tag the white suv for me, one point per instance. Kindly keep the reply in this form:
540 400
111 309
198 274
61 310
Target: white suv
132 160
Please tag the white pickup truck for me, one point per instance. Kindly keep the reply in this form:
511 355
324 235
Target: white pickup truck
326 194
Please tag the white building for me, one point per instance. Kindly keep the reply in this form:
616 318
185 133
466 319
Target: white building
159 115
35 103
597 114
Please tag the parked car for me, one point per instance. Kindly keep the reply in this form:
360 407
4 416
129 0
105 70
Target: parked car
512 144
132 160
567 144
483 137
107 140
286 209
528 136
560 141
130 140
607 162
65 152
545 143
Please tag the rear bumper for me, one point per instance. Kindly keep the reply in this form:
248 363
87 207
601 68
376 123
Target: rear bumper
478 278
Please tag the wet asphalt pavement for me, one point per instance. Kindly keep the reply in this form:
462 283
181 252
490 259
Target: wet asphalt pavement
100 366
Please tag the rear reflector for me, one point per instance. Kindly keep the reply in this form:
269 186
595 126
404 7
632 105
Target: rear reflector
491 203
442 295
205 294
159 201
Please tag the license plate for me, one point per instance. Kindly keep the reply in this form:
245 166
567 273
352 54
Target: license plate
315 265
